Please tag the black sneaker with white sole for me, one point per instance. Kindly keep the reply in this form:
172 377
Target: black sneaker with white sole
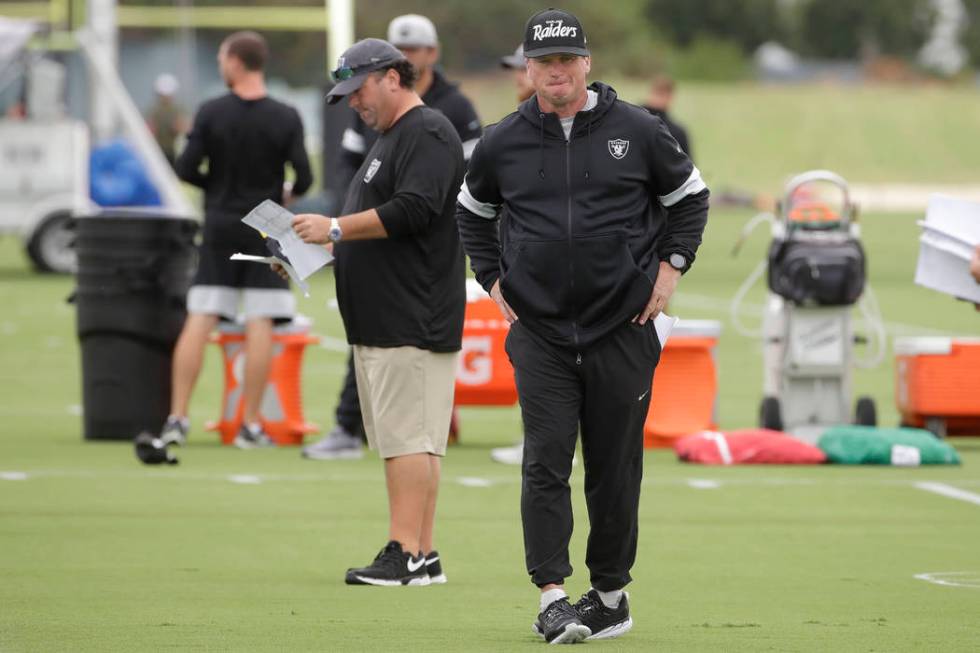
433 566
559 623
252 437
603 621
392 567
175 431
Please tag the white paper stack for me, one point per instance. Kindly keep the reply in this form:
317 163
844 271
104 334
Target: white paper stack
950 234
275 222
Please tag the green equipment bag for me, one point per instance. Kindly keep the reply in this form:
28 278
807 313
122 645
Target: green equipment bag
869 445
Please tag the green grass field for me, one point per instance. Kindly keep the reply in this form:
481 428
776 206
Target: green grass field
100 553
754 136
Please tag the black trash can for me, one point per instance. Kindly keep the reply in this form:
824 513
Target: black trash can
134 270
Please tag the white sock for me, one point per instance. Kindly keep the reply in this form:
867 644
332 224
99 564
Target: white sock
549 597
610 599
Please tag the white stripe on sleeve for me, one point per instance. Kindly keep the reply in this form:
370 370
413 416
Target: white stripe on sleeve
692 186
352 141
468 147
473 205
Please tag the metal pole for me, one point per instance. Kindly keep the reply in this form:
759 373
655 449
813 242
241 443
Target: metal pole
340 29
103 29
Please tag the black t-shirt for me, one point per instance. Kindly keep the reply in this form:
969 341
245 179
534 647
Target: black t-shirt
442 95
246 144
407 289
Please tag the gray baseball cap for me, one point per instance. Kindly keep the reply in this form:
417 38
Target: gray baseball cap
514 61
365 56
412 31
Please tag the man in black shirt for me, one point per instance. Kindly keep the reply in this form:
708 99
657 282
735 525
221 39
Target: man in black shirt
246 138
416 37
604 212
659 101
400 286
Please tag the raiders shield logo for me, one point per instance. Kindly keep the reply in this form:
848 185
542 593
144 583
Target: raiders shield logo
618 148
373 168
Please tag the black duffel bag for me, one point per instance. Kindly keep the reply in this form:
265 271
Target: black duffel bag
827 272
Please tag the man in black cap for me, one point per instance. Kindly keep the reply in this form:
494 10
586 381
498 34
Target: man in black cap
400 276
604 213
415 36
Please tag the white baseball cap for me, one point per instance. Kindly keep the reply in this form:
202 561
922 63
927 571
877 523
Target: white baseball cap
166 84
412 31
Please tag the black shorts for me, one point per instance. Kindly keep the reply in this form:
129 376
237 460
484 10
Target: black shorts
226 288
215 268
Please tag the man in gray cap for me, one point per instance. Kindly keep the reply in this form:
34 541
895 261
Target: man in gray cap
415 36
604 211
400 275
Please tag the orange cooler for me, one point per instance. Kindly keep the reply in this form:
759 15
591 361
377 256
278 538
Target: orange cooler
937 383
684 397
484 376
282 403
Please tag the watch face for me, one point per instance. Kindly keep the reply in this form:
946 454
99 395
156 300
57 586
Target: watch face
677 261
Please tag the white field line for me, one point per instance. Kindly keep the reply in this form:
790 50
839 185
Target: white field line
969 579
703 484
748 309
141 472
950 492
245 479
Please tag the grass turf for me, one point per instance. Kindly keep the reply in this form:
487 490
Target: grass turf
100 553
754 136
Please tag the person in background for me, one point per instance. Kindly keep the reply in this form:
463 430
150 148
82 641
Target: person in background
659 102
165 118
515 63
400 275
247 139
415 36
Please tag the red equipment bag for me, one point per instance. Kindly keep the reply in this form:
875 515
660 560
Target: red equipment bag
747 447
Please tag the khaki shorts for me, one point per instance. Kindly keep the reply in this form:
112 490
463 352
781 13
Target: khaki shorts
406 398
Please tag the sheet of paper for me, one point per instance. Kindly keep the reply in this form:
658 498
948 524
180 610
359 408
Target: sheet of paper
664 324
950 233
954 217
269 260
276 222
949 273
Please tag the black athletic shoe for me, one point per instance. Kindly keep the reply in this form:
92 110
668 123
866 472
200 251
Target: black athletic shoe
560 624
604 622
391 567
433 567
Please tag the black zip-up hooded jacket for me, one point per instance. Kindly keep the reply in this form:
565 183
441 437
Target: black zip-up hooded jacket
588 219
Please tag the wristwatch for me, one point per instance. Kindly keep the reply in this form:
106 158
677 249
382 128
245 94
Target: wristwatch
335 233
677 261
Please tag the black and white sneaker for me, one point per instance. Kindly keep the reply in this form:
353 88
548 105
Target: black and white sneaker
252 437
175 431
433 567
391 567
560 624
603 621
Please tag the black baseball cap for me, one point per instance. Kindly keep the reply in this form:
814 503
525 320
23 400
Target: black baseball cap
554 31
365 56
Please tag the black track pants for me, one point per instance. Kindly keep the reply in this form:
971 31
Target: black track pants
349 403
605 391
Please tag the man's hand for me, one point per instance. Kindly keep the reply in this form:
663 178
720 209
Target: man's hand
312 228
975 264
667 278
281 271
505 308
